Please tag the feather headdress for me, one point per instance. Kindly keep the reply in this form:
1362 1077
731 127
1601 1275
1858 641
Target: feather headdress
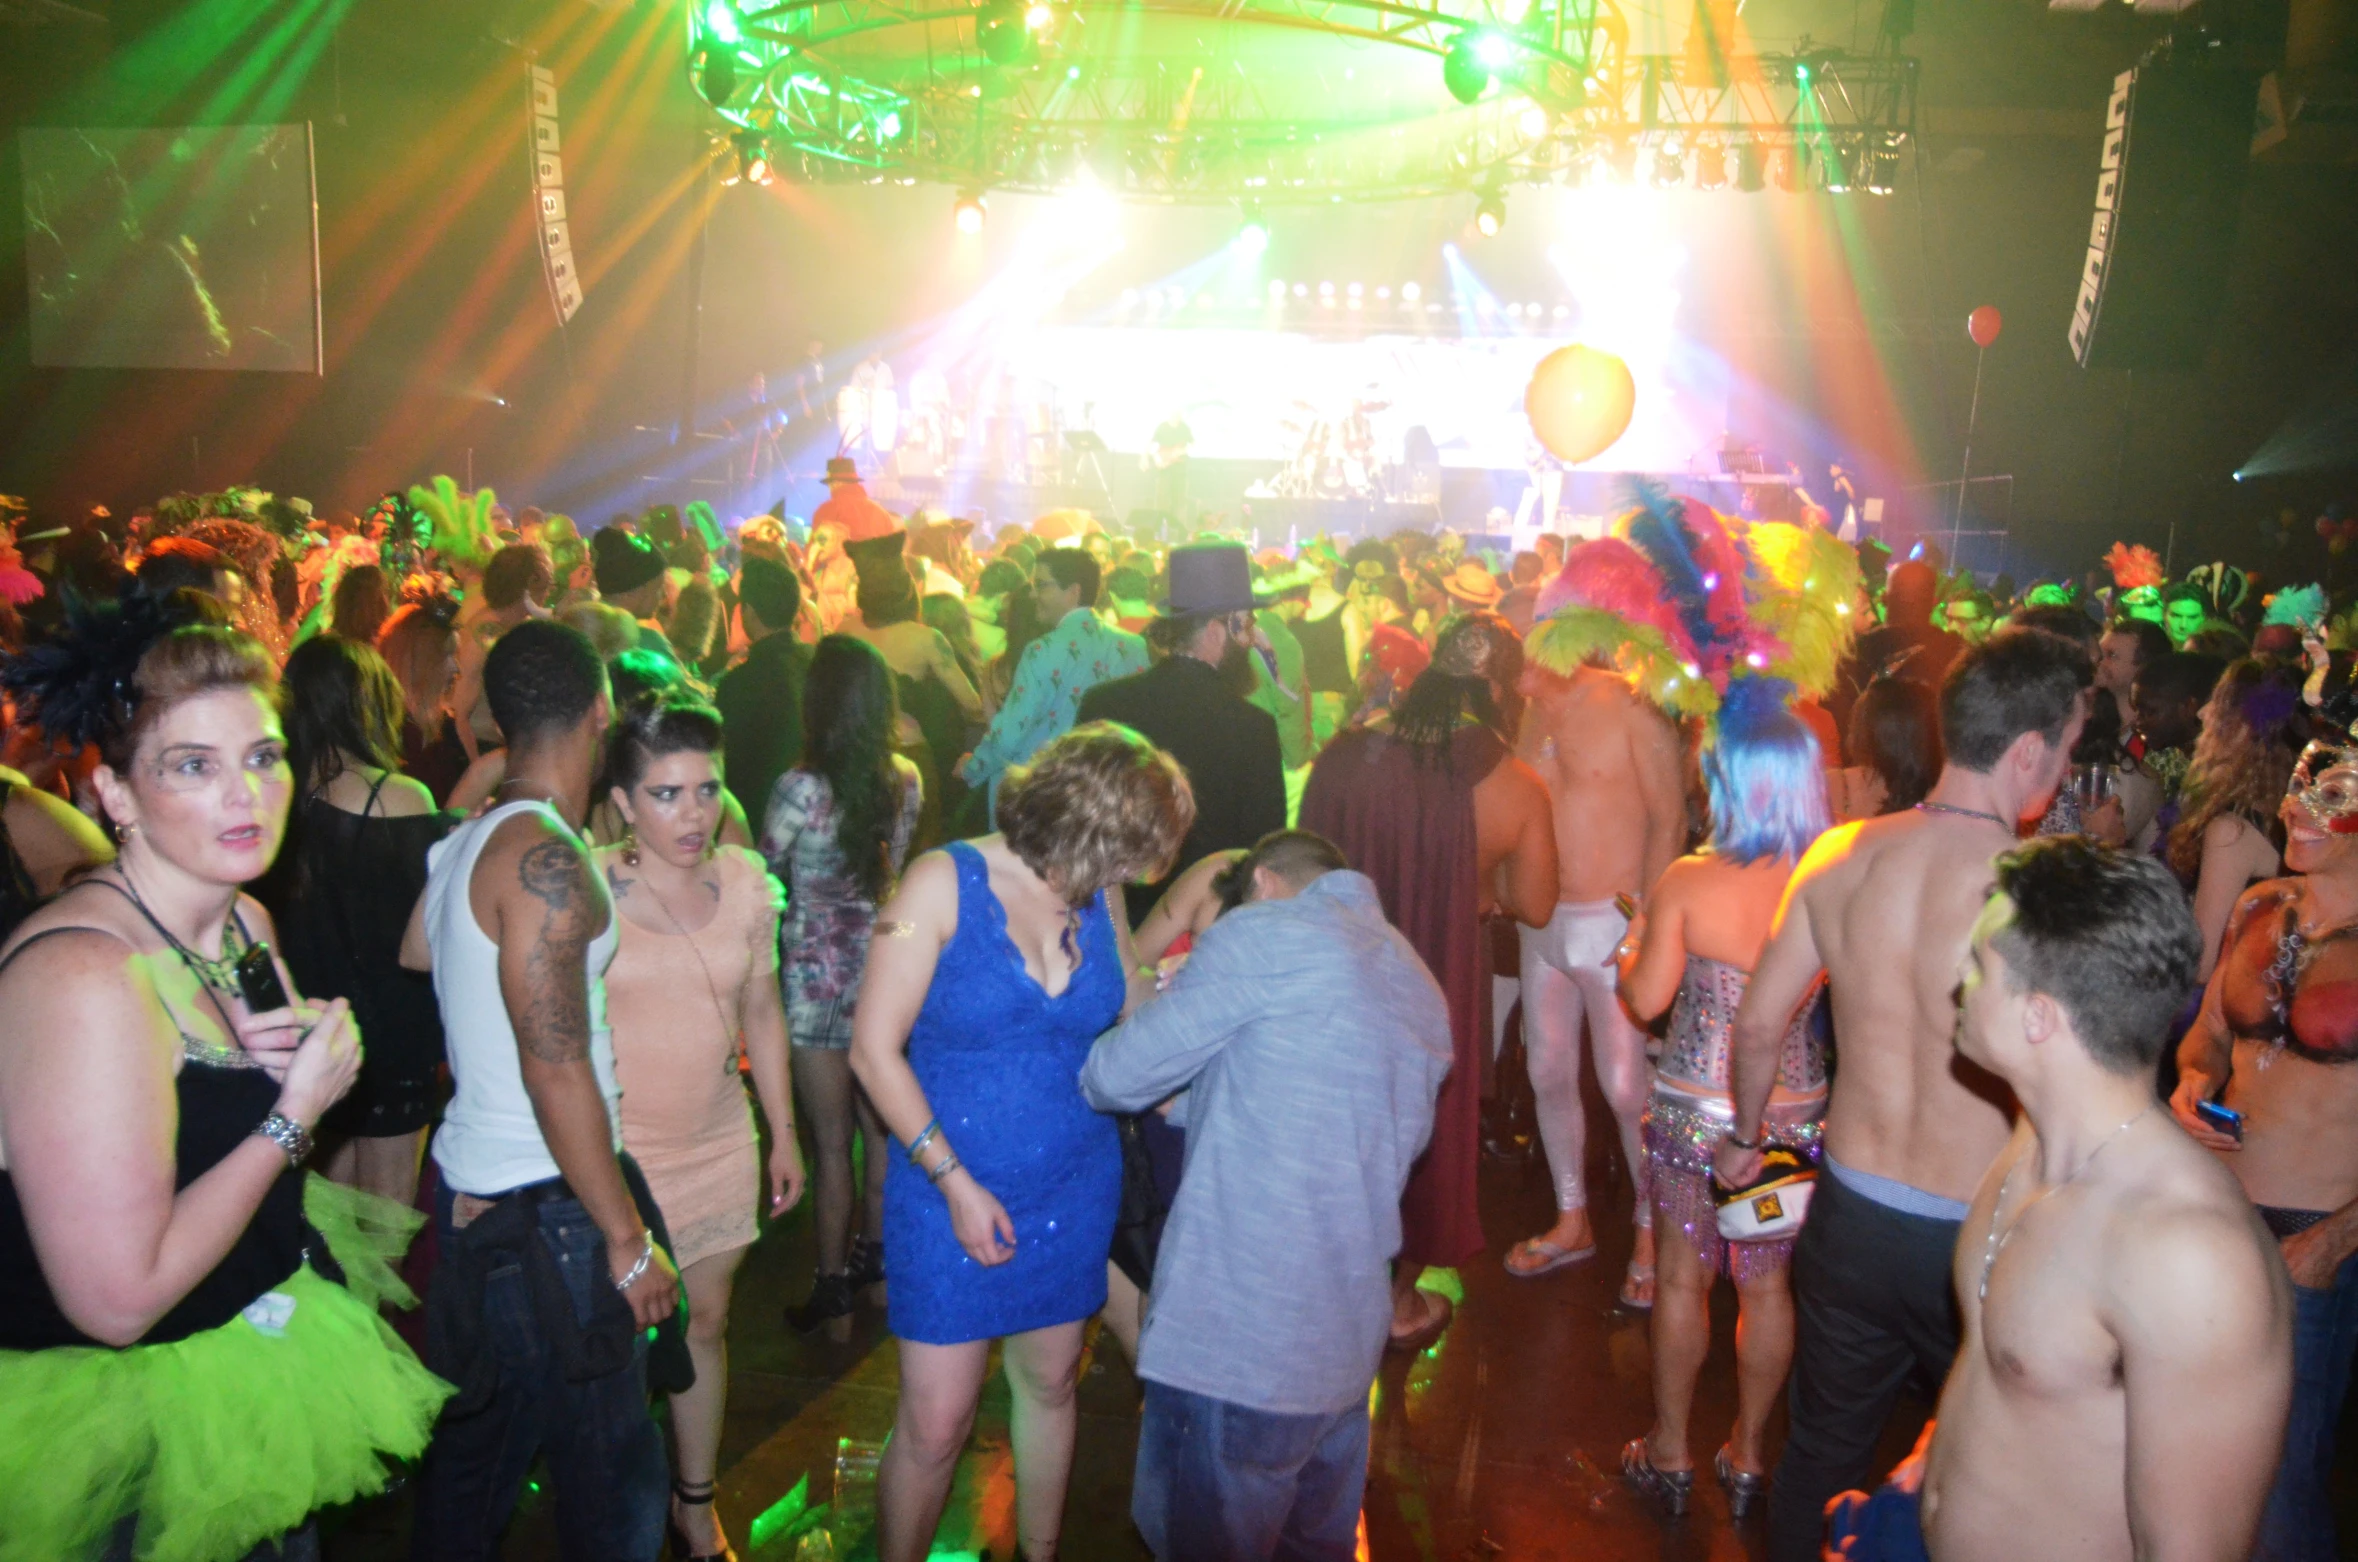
2133 567
1807 599
2296 605
18 584
462 531
81 684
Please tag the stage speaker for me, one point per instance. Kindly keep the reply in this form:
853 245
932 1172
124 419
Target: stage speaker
2169 197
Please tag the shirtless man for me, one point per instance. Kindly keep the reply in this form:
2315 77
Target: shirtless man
1611 764
1883 909
2127 1356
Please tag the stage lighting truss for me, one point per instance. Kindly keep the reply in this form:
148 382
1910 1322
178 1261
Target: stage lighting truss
1002 96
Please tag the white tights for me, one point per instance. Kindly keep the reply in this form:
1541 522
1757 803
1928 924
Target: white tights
1568 985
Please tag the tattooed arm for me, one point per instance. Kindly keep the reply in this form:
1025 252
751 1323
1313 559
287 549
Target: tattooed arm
550 907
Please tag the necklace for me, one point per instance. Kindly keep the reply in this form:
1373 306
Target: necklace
540 795
1930 807
1996 1243
732 1030
217 975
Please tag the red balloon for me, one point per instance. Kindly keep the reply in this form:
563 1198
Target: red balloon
2325 527
1984 324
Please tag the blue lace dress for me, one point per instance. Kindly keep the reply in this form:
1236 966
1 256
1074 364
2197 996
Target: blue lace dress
1000 1061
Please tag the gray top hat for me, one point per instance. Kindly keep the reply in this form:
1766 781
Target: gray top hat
1212 577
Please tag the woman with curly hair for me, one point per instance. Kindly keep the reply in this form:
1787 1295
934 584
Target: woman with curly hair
2228 836
996 964
836 833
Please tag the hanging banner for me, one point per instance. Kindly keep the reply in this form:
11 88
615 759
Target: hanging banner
548 196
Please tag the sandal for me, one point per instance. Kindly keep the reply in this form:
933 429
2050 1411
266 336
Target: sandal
696 1496
1440 1310
1744 1489
1672 1490
1536 1256
1640 1275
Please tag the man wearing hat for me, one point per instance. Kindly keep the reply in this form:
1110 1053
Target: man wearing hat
1192 704
629 572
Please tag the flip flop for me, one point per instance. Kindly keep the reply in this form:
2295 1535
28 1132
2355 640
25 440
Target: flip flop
1546 1257
1639 1274
1436 1324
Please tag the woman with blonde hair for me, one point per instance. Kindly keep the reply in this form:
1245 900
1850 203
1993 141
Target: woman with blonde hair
2228 836
994 966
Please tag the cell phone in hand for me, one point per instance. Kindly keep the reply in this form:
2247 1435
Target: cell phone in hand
257 979
2225 1119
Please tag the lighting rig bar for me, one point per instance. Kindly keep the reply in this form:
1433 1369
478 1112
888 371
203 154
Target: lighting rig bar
1010 114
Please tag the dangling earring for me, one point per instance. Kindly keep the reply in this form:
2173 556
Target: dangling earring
124 832
630 845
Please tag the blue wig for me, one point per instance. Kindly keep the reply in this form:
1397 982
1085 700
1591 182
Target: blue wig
1767 778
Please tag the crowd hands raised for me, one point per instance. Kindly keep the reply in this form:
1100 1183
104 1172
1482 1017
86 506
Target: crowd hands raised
1960 972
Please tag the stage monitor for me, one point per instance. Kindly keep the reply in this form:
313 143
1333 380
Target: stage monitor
189 248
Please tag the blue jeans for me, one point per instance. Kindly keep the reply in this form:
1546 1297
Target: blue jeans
605 1456
1219 1482
2297 1524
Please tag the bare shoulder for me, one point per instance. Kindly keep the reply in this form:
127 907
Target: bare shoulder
257 918
1835 854
1681 882
403 797
2188 1253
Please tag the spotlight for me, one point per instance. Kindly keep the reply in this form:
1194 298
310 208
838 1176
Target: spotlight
1786 165
720 20
1711 164
1490 215
1038 15
888 128
1000 33
1670 166
968 213
1411 292
1839 163
716 77
1253 237
752 162
1494 51
1534 123
1751 175
1883 162
1462 69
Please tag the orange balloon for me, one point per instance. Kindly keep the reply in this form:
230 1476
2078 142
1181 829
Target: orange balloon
1579 401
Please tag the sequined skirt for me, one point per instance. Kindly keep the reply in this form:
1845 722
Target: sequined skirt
1681 1132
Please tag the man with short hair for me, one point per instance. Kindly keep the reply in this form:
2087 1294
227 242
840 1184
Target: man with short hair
629 574
1907 641
2127 1354
1310 1041
515 587
1882 909
550 1272
1192 704
760 699
1078 652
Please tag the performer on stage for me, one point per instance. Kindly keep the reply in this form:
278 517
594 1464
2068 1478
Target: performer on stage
1172 440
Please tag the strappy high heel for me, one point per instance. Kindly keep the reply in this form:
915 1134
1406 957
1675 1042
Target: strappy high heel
698 1495
1745 1490
1671 1490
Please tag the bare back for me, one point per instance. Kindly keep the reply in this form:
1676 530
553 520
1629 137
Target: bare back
1610 763
2121 1390
1886 908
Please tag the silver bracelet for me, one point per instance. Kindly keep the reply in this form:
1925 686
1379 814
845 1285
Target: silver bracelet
291 1137
942 1168
646 1257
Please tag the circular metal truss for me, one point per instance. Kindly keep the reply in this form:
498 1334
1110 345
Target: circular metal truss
822 91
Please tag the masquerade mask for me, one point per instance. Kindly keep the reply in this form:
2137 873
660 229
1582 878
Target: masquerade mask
2325 785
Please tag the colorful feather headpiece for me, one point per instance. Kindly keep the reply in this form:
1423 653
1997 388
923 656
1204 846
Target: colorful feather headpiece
2298 606
1682 600
2133 567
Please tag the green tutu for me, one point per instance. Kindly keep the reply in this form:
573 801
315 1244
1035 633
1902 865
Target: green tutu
225 1439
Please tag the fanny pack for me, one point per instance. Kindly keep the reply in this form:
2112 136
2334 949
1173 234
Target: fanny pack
1771 1206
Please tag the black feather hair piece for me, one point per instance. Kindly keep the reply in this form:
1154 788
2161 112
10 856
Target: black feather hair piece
81 685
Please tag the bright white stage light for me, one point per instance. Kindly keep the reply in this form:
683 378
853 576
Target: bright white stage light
1411 291
969 212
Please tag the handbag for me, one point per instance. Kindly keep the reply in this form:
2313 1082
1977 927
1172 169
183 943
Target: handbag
1773 1205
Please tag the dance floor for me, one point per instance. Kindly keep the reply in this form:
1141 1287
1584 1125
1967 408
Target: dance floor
1502 1441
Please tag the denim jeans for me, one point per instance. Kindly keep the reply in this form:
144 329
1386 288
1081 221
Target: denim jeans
605 1456
1218 1482
2297 1524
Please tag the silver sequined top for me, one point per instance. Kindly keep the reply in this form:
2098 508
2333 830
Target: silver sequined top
1703 1018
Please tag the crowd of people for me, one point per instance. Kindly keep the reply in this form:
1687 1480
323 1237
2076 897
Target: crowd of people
1102 930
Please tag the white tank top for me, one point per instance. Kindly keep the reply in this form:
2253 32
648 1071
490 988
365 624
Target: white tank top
490 1141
